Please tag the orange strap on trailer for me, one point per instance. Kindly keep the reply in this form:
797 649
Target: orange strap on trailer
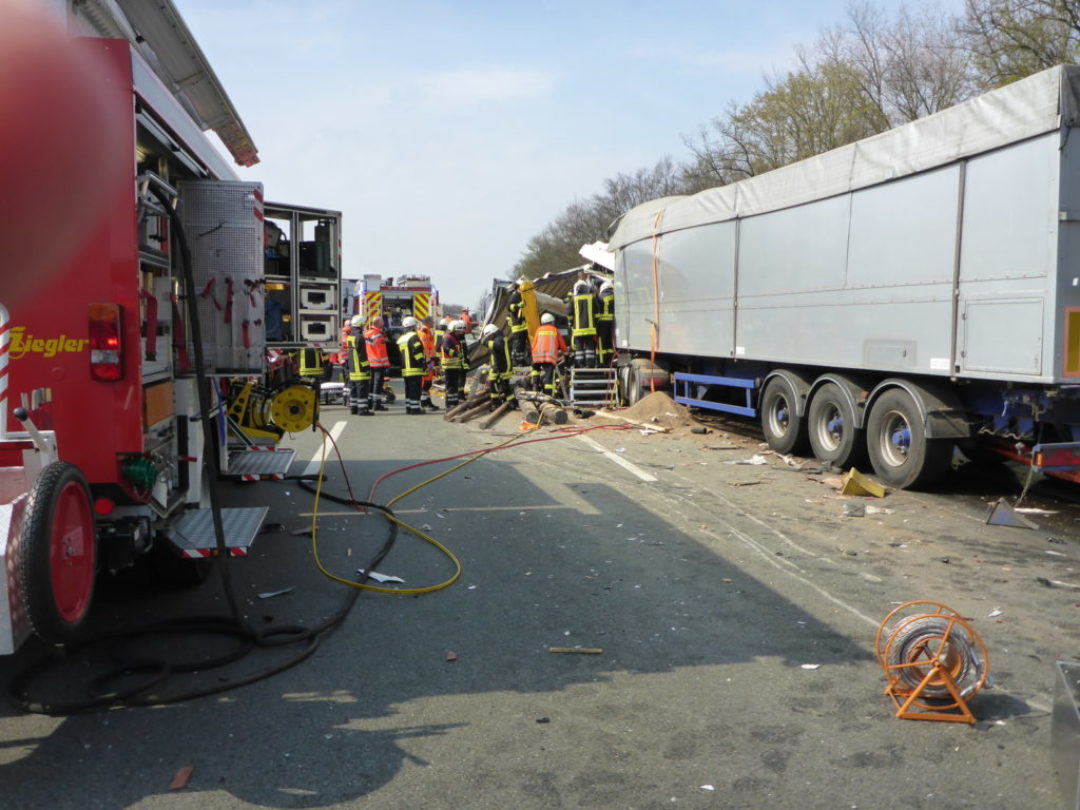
654 332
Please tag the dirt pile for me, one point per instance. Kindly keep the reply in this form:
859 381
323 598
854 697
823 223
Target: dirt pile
659 409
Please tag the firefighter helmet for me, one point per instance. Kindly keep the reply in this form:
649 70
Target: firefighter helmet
409 322
457 326
547 317
357 321
490 329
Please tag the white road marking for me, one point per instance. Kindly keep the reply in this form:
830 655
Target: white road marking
622 462
316 462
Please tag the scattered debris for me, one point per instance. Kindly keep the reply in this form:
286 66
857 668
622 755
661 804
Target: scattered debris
699 431
451 656
855 483
755 460
1001 514
721 447
878 510
1034 510
272 594
581 650
543 719
707 787
854 510
180 779
1056 583
375 575
995 613
809 666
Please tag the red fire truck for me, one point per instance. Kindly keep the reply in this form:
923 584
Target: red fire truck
114 418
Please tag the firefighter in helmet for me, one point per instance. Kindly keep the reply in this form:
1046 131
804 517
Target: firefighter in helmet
358 369
413 364
501 366
548 349
454 362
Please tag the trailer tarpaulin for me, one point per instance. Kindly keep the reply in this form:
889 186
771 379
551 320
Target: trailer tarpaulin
1032 106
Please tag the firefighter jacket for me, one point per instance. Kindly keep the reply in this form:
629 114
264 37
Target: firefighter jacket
427 339
499 348
515 315
341 358
584 317
413 363
452 353
311 363
377 354
548 345
356 358
606 313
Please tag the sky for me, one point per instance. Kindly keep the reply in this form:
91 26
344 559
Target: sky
449 133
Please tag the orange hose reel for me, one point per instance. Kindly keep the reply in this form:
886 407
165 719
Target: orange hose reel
933 660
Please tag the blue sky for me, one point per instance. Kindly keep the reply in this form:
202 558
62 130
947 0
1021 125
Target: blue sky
449 133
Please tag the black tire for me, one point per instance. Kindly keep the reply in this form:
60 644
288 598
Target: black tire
830 425
58 561
633 385
900 453
784 429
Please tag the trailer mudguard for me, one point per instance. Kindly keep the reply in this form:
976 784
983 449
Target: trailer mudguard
943 414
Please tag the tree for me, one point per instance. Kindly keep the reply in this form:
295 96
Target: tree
1011 39
556 247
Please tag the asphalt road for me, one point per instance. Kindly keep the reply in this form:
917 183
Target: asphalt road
734 608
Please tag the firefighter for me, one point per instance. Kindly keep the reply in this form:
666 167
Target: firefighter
379 362
413 364
452 356
583 332
605 324
519 328
427 339
548 349
358 370
501 368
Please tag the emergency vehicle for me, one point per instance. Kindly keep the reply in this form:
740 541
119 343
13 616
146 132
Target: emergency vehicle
395 298
157 358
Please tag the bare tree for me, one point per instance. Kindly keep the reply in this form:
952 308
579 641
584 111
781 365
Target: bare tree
1011 39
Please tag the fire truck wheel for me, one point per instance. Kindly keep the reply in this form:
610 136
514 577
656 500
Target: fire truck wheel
59 553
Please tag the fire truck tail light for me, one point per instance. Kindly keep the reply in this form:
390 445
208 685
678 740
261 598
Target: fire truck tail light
104 506
106 360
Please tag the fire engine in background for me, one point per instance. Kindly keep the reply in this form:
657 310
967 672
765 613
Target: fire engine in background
110 435
394 299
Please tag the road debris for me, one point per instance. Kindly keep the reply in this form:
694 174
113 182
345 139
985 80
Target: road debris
375 575
180 779
755 460
854 510
451 656
272 594
855 483
1057 583
809 666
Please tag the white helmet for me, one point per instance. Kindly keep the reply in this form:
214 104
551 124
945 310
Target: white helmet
607 285
409 322
490 329
357 321
547 317
456 325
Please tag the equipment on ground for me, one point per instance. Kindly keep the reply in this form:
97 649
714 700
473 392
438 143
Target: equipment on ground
933 660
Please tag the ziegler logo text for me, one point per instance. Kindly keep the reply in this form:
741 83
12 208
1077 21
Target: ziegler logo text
22 344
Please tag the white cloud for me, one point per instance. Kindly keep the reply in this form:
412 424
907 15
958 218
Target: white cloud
482 85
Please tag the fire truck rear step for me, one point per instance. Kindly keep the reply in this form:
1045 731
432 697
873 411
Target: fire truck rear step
193 534
259 464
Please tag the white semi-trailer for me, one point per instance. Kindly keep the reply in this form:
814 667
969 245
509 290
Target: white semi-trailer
885 300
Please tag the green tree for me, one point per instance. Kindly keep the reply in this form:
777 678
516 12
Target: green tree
1011 39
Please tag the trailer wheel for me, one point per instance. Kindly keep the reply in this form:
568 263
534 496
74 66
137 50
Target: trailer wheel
784 429
59 553
831 426
900 453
